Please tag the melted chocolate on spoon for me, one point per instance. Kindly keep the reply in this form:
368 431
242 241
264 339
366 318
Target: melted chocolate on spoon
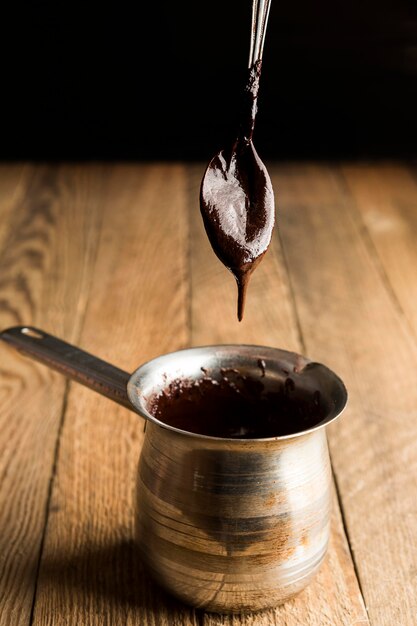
237 200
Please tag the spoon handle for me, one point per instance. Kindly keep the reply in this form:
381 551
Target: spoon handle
84 368
260 14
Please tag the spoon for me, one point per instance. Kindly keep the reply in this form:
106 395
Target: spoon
236 196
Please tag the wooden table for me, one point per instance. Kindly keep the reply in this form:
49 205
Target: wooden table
114 258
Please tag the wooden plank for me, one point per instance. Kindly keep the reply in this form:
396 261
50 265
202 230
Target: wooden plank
334 596
350 322
44 278
11 189
385 196
90 573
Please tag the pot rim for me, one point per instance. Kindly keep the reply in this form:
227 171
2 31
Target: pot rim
340 399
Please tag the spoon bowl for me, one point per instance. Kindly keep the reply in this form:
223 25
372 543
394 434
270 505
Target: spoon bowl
237 206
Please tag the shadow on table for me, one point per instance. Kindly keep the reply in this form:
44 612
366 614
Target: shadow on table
110 577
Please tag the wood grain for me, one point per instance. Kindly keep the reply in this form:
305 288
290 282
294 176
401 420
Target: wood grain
44 280
385 196
115 258
334 596
11 189
350 321
90 573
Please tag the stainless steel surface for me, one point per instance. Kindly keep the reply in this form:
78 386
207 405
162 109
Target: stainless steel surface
229 525
260 14
234 525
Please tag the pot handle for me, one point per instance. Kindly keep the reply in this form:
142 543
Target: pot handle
84 368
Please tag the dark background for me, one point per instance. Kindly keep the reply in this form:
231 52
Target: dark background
163 80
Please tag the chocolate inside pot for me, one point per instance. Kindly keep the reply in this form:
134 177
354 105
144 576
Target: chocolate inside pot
231 405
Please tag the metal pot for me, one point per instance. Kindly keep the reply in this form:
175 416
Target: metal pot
228 525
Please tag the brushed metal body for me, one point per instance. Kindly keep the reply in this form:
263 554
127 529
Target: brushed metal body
230 525
233 525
